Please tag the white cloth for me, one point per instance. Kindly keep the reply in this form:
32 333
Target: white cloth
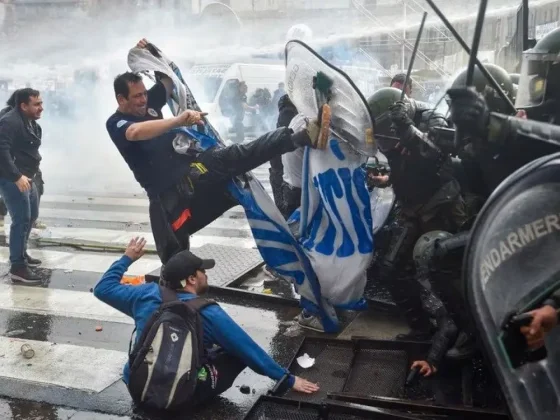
293 163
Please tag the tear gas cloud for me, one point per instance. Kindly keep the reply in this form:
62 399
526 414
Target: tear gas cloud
78 154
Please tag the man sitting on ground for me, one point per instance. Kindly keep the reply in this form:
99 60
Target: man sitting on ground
185 273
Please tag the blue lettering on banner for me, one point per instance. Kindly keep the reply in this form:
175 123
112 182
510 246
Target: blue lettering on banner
335 148
329 183
315 224
365 245
359 178
330 186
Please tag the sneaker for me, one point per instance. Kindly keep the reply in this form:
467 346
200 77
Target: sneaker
311 322
33 262
271 272
24 275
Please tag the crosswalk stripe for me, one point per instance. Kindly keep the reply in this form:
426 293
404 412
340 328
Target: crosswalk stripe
97 263
75 372
67 303
131 218
109 221
104 201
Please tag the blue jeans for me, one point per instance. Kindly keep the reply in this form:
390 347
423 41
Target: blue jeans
24 210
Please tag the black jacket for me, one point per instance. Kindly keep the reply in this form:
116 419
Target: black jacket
20 140
286 111
4 111
416 178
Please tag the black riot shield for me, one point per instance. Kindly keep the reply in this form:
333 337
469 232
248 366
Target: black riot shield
512 265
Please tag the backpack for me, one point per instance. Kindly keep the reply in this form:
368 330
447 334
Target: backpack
165 361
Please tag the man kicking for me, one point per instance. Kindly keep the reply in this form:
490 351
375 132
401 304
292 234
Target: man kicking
186 191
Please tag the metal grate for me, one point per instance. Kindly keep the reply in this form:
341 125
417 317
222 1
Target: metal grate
485 390
378 372
269 410
340 416
332 366
231 263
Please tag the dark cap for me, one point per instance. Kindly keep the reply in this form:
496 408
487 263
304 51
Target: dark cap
182 265
400 78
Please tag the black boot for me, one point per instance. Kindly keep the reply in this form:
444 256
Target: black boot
464 347
421 329
33 262
408 300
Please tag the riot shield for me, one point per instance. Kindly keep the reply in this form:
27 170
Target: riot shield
351 120
512 266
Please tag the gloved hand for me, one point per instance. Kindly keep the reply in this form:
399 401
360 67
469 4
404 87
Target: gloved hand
400 118
469 112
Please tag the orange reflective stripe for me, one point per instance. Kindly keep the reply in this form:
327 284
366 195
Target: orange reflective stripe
181 220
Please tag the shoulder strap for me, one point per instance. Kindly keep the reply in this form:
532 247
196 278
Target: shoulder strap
167 295
199 303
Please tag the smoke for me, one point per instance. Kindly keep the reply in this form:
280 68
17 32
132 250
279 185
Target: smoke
78 154
47 50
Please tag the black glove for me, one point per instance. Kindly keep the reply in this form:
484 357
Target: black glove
469 112
399 117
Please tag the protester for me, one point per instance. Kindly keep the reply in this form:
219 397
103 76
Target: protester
185 274
20 139
10 104
186 191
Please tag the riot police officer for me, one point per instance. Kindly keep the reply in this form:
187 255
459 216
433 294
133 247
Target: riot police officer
475 172
428 194
480 83
512 140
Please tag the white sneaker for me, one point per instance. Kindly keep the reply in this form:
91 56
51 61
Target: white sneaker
271 273
311 322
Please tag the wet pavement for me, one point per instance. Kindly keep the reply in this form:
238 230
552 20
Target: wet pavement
266 307
270 323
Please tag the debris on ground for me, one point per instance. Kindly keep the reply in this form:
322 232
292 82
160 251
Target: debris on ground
305 361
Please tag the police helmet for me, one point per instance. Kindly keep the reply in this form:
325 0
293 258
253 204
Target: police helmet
539 81
481 84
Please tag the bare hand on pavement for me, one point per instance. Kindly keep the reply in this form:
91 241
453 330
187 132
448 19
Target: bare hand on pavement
425 368
23 183
135 248
304 386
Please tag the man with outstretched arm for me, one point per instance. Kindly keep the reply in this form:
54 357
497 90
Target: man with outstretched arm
185 273
186 191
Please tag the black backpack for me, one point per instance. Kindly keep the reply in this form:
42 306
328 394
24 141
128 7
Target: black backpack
165 361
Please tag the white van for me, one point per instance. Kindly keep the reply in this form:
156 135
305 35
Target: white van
210 82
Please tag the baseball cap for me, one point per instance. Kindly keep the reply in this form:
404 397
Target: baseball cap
182 265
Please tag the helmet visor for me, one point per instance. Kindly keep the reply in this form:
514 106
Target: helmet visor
533 79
